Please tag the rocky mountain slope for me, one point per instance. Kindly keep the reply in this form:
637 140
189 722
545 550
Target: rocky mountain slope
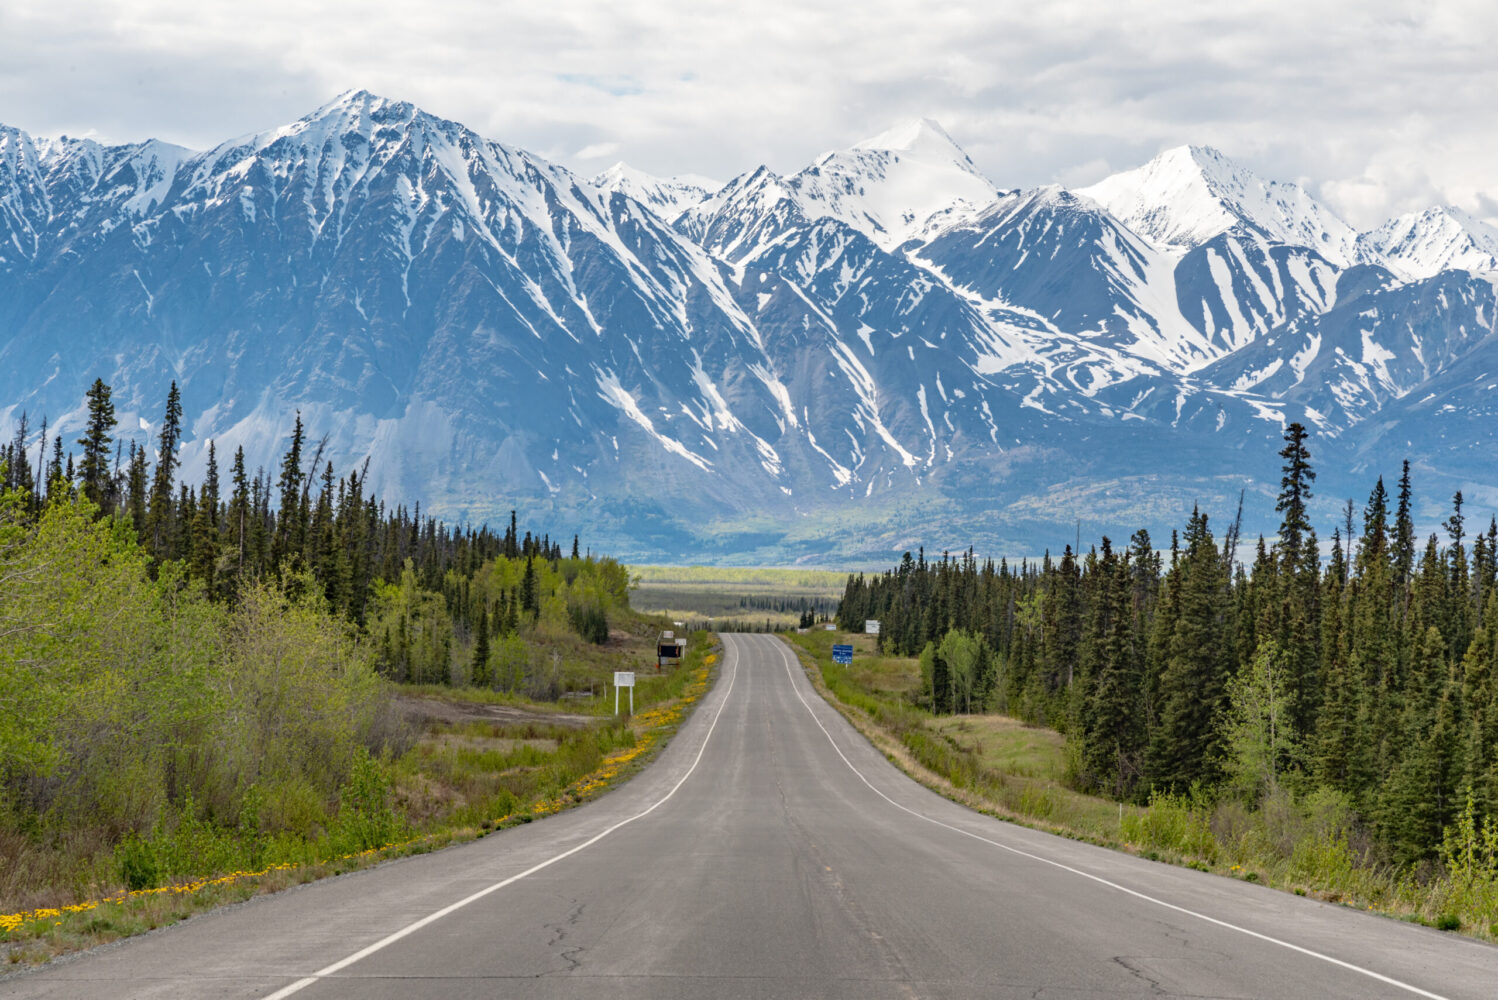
881 350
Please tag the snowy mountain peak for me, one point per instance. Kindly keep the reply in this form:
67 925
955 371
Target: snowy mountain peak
359 101
1423 244
1188 195
355 111
668 197
880 330
917 136
900 185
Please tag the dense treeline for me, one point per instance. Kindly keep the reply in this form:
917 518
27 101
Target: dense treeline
433 595
816 607
1370 673
201 665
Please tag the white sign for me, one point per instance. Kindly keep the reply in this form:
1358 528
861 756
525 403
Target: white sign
871 626
624 679
830 628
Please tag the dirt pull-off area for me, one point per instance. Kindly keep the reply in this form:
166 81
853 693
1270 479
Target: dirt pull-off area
422 710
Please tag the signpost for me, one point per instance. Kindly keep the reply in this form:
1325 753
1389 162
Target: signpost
871 626
669 647
842 653
624 679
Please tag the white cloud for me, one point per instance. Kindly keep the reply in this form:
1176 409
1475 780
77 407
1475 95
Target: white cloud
1386 106
596 151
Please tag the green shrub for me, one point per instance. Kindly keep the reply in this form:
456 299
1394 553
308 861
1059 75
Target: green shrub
1172 823
136 863
366 817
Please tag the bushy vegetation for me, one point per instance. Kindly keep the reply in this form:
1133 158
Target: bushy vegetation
195 683
137 710
1230 694
1311 844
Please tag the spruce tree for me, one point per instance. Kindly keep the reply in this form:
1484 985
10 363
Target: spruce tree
1115 739
205 528
239 513
159 515
136 478
1295 494
480 672
941 682
530 599
59 484
1184 748
20 463
1404 533
95 443
289 537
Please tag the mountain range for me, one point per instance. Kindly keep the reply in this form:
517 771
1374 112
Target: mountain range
881 350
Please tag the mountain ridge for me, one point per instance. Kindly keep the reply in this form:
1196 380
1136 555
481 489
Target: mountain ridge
880 347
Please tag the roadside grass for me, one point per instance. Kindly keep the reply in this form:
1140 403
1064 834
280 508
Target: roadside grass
459 782
1014 771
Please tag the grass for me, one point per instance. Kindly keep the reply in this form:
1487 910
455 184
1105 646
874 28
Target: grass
1017 772
461 781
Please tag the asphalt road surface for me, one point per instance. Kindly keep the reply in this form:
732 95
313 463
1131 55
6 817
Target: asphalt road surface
772 852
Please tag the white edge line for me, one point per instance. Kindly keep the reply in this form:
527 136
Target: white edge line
412 928
786 660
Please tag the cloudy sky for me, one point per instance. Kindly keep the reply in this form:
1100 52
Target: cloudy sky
1379 107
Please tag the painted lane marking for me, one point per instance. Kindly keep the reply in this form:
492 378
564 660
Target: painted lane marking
786 662
412 928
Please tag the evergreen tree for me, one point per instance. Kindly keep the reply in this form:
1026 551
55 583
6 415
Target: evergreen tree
1185 747
19 474
288 537
1115 737
159 516
59 484
238 526
530 599
95 443
1295 494
1404 533
1293 616
480 673
205 527
136 476
1062 624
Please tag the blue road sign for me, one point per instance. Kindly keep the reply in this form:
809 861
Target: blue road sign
842 653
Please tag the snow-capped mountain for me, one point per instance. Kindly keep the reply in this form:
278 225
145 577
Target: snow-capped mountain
1068 268
907 182
667 197
1187 195
879 350
1423 244
1382 341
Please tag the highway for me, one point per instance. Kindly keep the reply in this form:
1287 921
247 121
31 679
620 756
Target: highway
769 852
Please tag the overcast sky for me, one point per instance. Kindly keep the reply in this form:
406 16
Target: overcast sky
1378 107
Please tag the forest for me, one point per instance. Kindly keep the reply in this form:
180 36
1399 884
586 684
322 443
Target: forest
1363 670
217 662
